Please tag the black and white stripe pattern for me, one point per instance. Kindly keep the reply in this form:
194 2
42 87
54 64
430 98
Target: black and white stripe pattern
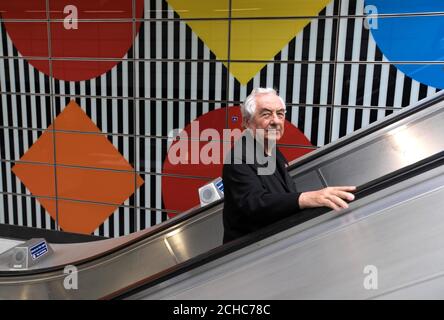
370 91
30 111
332 76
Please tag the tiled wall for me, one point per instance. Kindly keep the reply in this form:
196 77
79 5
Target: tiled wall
86 109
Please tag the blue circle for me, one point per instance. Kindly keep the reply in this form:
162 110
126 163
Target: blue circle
411 38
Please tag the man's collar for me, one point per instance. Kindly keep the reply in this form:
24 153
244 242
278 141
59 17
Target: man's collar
259 143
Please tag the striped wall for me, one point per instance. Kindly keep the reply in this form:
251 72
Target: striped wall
332 75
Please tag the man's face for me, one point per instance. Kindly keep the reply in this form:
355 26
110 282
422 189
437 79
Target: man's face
269 115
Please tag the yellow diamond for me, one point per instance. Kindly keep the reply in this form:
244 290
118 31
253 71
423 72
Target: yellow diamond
258 39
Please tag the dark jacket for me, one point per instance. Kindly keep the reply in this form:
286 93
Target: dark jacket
253 201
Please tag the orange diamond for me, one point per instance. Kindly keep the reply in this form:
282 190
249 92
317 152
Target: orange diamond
111 181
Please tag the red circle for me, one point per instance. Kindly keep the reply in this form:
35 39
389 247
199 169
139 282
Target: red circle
108 39
181 193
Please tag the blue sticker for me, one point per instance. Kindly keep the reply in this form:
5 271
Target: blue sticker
220 186
234 118
38 250
411 38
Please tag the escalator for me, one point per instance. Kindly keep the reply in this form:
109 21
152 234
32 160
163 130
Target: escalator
396 234
385 160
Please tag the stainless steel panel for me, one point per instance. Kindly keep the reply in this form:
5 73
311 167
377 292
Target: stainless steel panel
6 244
398 148
363 165
308 182
196 238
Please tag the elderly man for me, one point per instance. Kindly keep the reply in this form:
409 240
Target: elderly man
253 200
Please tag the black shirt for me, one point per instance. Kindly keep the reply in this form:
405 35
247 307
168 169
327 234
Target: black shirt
252 200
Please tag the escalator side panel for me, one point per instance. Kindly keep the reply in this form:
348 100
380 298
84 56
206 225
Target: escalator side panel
196 238
398 148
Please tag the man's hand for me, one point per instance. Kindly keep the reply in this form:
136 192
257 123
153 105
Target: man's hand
331 197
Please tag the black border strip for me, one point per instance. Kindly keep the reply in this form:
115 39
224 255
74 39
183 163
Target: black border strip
14 232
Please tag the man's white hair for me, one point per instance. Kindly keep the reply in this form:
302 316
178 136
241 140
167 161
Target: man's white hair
249 106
